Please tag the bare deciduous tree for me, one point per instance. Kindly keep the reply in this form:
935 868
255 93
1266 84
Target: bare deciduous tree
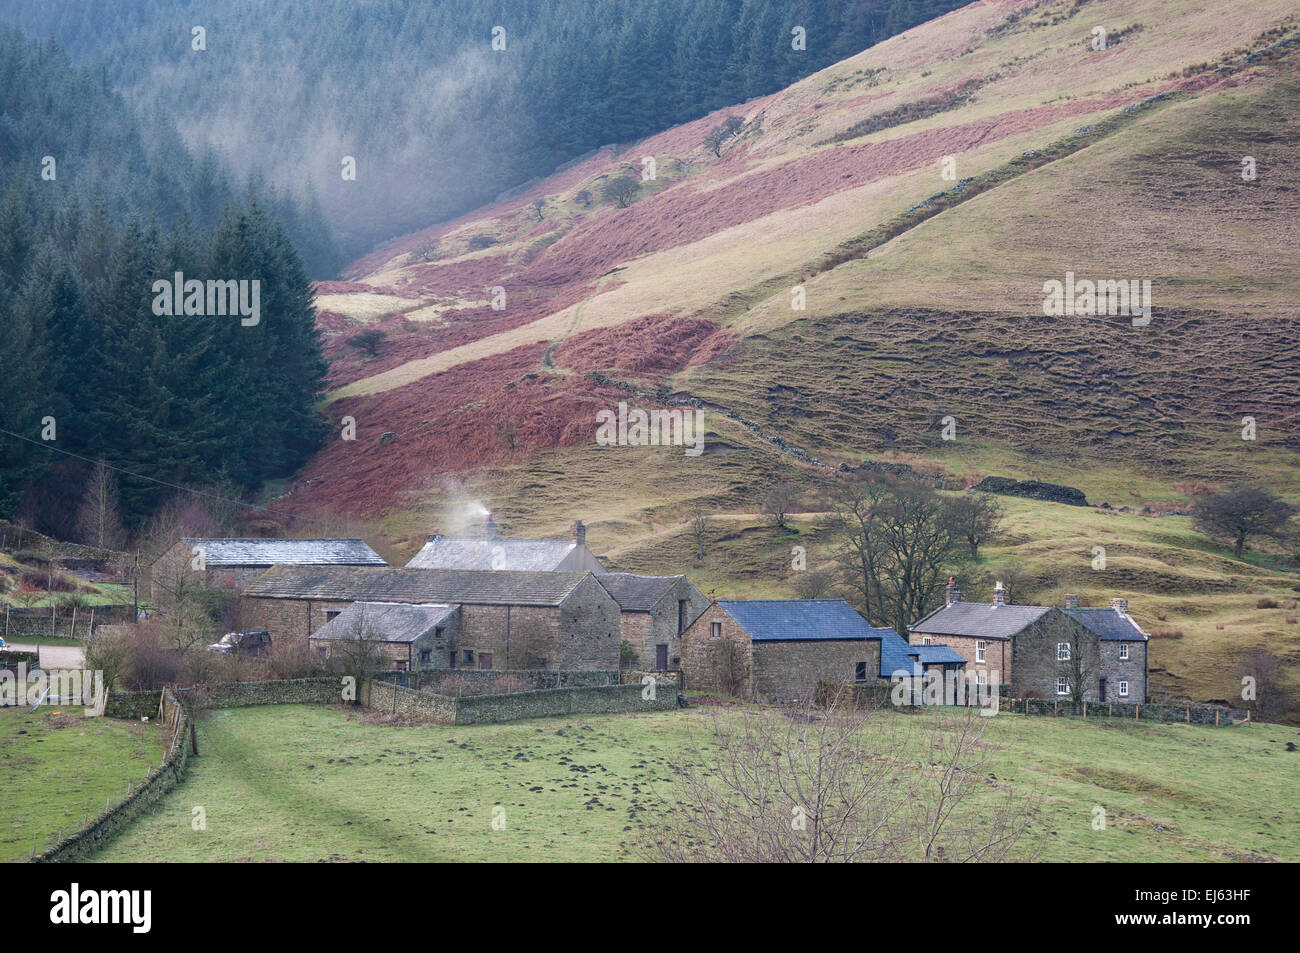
975 519
1242 513
699 526
897 542
719 134
837 783
99 521
814 584
779 501
1268 697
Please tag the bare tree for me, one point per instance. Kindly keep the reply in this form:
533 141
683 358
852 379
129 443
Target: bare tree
1081 664
838 783
699 526
897 542
539 207
185 610
108 649
99 520
780 499
814 584
1242 513
975 519
1268 697
621 189
717 136
361 652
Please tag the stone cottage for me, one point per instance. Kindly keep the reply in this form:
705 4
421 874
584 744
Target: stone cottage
654 612
1032 649
406 637
492 551
508 620
779 649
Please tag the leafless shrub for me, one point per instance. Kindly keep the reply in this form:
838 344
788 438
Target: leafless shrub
841 784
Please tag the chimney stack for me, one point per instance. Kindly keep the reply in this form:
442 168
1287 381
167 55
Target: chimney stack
1120 605
999 594
578 533
954 590
432 536
490 530
1071 602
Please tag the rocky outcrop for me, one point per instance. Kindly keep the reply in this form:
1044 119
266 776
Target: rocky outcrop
1032 489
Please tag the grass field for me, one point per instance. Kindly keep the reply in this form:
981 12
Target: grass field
304 783
55 769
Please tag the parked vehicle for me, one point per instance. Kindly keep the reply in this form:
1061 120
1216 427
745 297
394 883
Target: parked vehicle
242 643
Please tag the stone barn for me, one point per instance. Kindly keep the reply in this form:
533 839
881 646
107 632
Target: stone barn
408 637
779 649
655 611
508 620
233 564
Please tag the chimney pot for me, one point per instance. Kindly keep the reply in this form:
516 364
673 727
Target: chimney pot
578 533
1071 602
1119 604
954 590
999 594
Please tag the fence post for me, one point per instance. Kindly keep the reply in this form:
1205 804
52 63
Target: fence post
1189 714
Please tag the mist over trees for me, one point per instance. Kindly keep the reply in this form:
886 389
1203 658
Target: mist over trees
438 121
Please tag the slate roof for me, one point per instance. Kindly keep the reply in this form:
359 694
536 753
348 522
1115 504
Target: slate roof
635 593
286 552
1111 624
521 555
818 620
936 654
388 621
416 585
983 619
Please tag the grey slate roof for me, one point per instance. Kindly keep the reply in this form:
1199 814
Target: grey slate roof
1111 624
385 621
635 593
286 552
814 620
347 584
523 555
936 654
982 619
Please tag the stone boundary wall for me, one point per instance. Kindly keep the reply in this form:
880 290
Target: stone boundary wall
161 780
633 677
11 660
289 691
483 681
485 709
383 696
1133 711
36 623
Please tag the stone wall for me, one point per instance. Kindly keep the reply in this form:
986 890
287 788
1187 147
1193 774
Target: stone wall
289 691
1208 715
997 654
161 780
393 699
484 709
288 619
590 623
12 659
646 630
474 682
1132 670
1034 665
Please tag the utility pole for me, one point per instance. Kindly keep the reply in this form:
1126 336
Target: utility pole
135 585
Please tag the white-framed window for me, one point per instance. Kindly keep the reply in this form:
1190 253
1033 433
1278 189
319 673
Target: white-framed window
1063 686
715 629
1063 651
1123 689
981 677
925 640
1123 650
979 651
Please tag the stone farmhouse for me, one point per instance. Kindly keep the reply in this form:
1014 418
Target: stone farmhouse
411 638
233 564
1029 648
654 612
492 551
779 649
507 619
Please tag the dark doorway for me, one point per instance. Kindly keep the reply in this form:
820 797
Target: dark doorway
661 658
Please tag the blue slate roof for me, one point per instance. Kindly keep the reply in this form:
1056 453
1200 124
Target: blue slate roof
816 620
1111 624
936 654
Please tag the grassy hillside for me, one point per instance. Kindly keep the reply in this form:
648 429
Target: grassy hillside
58 769
923 300
298 783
